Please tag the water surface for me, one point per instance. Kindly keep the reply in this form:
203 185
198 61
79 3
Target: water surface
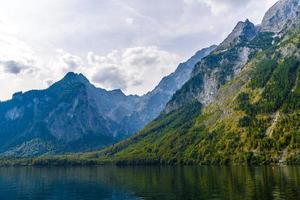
111 182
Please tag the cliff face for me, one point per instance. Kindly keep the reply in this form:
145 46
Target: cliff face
73 115
241 97
242 31
254 119
220 66
241 104
64 117
228 59
279 14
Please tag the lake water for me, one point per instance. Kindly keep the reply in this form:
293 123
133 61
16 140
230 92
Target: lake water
111 182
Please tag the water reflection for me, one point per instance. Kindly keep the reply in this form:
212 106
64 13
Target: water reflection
110 182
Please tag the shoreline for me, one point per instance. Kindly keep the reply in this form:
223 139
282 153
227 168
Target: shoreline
62 161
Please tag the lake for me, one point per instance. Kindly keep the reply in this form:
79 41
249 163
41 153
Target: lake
112 182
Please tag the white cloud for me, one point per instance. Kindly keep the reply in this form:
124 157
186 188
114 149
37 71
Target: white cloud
146 39
12 67
95 25
226 6
135 70
13 49
129 20
68 61
110 77
221 6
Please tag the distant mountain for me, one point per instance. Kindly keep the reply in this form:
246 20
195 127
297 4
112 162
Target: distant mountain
241 104
67 116
151 104
73 115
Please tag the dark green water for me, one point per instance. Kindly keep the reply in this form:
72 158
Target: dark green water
87 183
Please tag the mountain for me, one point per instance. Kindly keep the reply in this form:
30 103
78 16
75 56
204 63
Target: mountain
67 116
73 115
241 104
217 68
280 14
152 103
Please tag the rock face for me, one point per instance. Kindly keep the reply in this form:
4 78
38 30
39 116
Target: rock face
279 14
68 116
228 59
243 30
73 115
220 66
241 104
254 119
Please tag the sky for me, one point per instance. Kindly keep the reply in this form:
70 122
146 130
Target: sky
116 44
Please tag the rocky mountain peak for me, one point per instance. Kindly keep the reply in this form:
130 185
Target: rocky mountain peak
244 29
74 77
278 15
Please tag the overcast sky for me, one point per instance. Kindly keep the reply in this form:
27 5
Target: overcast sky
127 44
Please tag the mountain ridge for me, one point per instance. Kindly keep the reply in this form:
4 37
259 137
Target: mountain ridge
253 117
209 73
279 14
73 115
240 104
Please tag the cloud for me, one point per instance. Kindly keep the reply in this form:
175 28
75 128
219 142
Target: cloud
15 55
145 39
135 70
143 57
129 20
110 77
101 26
12 66
69 61
219 6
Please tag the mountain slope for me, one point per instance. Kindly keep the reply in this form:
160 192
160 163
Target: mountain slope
231 110
73 115
280 14
64 117
151 104
253 119
220 66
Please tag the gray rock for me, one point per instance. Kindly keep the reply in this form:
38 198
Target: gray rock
280 14
243 30
220 66
73 115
